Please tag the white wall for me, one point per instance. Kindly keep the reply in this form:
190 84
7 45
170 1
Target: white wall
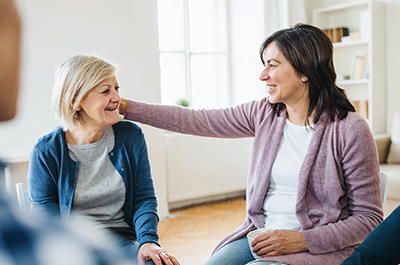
392 59
201 169
123 31
246 18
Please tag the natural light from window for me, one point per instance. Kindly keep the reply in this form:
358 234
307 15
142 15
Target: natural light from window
193 52
198 49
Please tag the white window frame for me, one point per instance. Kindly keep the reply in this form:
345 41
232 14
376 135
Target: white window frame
188 54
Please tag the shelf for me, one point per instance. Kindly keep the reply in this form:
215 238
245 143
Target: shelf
352 82
350 43
365 18
339 7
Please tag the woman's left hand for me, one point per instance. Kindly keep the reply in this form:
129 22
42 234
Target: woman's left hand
151 251
279 242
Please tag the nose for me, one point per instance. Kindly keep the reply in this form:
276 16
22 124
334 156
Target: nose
264 74
115 97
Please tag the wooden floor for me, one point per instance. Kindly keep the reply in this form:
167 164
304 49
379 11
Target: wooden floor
191 234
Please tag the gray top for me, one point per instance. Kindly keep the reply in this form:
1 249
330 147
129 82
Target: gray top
100 189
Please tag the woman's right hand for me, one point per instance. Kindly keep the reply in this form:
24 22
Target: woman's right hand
151 251
279 242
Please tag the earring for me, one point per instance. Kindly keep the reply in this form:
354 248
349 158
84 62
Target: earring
304 78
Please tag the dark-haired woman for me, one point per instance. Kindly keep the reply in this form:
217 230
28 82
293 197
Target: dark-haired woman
314 174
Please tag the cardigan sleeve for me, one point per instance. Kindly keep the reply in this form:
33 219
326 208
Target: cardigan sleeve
43 194
233 122
141 201
145 217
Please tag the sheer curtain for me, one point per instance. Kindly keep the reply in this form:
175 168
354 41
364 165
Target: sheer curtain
283 13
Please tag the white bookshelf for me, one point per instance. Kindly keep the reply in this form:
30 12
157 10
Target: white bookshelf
371 42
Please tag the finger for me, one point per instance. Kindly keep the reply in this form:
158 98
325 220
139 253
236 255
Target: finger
165 258
261 237
140 260
143 258
173 260
266 252
261 244
271 254
156 259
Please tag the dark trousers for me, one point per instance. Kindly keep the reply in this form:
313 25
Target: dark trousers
382 246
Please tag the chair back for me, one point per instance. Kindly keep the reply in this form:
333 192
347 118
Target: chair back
23 198
384 186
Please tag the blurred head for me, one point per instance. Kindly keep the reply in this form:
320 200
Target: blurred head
10 32
75 80
310 51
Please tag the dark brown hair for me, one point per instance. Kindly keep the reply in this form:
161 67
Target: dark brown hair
310 51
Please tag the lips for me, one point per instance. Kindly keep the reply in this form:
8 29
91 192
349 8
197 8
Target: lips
111 109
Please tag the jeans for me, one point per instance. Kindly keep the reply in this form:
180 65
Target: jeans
131 250
236 253
382 246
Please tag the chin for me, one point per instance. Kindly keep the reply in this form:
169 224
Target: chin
272 100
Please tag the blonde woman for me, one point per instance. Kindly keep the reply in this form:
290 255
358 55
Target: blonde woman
94 164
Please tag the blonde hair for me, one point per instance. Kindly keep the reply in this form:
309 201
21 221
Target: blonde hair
74 78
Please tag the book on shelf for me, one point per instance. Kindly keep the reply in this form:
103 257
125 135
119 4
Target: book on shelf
336 34
366 67
361 107
360 67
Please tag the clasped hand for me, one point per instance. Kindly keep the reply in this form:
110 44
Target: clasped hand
278 242
151 251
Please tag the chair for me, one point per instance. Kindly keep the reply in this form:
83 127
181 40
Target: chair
23 198
384 186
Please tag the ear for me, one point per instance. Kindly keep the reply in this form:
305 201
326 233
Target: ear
78 109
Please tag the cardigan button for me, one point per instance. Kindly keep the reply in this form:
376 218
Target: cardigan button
122 169
112 153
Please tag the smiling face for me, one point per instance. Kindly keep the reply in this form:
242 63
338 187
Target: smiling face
283 83
99 108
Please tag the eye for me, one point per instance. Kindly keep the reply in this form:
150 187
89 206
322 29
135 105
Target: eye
117 88
106 91
272 65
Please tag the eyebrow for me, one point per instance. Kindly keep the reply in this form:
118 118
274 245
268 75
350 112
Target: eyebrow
109 85
270 60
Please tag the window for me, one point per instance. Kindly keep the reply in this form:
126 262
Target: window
193 52
202 59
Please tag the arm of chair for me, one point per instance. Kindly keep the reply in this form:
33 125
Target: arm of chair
382 143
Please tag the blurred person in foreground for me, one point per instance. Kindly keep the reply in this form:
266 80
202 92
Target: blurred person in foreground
94 164
10 44
313 175
25 239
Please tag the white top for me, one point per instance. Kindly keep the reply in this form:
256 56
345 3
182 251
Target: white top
280 202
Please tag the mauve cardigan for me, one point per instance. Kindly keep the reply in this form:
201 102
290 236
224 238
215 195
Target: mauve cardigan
339 196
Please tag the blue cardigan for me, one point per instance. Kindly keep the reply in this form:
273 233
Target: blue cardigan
52 178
